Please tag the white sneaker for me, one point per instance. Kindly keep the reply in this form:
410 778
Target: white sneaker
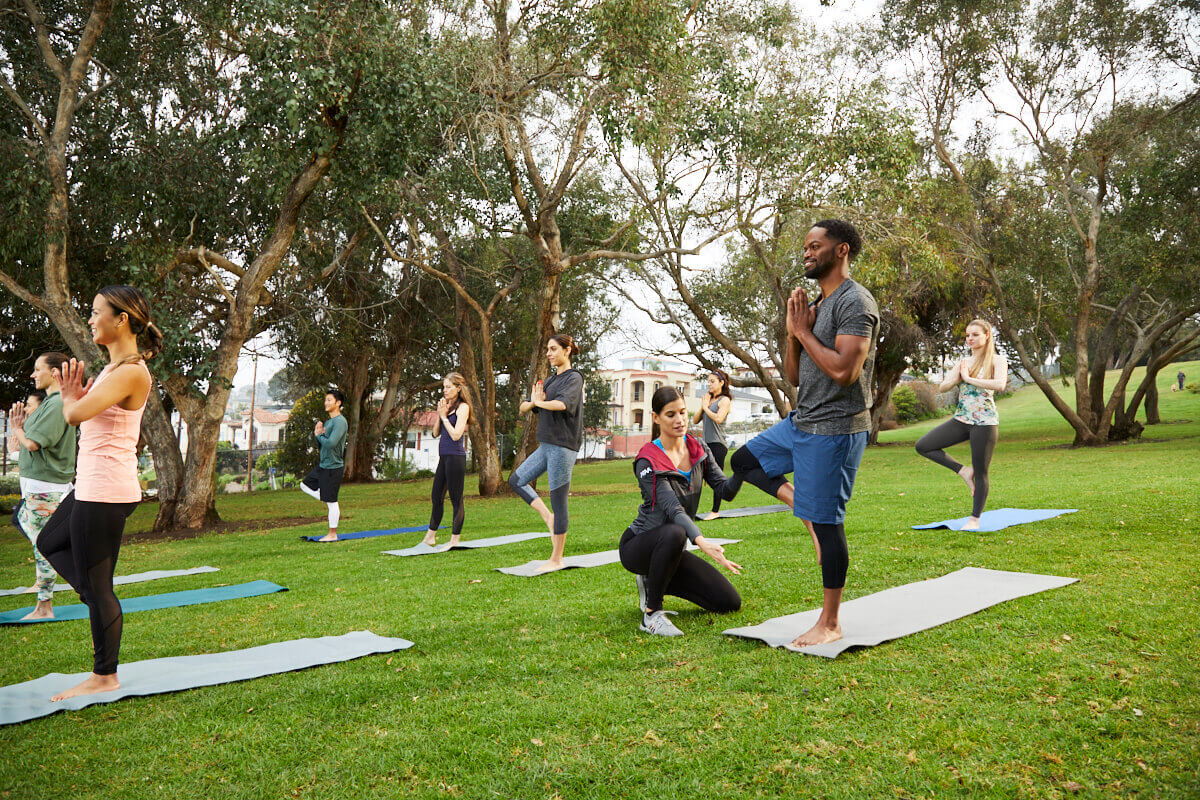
657 624
640 580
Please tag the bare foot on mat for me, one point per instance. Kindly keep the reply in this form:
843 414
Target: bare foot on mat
818 634
329 537
95 684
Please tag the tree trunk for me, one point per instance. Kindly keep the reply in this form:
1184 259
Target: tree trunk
885 383
196 506
357 390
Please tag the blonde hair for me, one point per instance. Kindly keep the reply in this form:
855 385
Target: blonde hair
984 366
459 381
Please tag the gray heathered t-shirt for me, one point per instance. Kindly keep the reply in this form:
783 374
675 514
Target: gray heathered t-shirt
562 428
823 407
713 432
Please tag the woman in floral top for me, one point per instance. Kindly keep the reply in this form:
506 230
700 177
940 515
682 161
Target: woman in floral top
975 419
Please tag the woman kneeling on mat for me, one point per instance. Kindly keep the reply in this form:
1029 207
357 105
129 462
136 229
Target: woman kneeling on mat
453 413
558 402
671 470
975 419
83 537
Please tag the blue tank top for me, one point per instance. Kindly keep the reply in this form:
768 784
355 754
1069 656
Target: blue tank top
446 445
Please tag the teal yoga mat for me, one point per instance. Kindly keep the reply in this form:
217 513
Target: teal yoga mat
31 699
151 602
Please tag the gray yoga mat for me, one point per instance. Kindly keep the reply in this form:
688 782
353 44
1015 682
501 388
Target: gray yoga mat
423 549
152 575
529 568
31 699
906 609
750 511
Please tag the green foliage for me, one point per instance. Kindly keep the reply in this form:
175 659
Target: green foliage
394 469
298 448
8 502
267 460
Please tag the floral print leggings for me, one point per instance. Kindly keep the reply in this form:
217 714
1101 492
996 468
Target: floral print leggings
35 512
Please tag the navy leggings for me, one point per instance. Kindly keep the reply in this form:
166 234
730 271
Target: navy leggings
450 475
81 541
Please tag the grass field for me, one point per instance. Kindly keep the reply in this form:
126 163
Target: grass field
540 688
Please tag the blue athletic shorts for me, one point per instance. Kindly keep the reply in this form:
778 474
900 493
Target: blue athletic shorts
823 467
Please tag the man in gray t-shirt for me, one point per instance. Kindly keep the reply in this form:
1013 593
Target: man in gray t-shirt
830 359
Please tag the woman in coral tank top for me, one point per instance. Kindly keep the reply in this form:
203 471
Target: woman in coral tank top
83 537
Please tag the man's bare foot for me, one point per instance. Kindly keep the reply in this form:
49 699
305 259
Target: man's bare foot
972 524
968 476
709 516
818 634
430 538
549 566
329 537
43 610
95 684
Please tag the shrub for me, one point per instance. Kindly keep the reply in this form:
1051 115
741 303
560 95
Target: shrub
1194 388
906 404
392 470
8 502
297 451
10 484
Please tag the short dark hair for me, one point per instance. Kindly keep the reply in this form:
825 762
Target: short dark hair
40 394
337 395
843 232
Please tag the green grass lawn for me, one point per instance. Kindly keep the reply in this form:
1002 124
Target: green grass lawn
530 688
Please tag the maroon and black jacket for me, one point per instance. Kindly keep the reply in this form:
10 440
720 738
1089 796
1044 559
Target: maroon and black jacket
668 495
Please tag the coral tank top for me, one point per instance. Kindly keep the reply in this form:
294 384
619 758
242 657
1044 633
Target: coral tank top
106 469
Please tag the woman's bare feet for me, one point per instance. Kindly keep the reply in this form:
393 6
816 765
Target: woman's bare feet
821 633
709 516
972 524
968 476
43 610
454 539
95 684
329 537
430 538
549 566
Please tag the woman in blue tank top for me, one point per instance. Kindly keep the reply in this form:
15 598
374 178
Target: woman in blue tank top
451 430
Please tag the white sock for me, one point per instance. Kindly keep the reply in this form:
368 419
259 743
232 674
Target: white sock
335 513
313 493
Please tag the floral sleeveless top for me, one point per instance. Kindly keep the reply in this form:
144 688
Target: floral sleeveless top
976 406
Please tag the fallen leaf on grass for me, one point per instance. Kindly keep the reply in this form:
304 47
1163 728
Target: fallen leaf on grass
537 742
1072 787
1145 767
475 580
1137 712
653 738
1053 758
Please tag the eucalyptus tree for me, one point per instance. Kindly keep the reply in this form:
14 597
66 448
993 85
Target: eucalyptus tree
1054 74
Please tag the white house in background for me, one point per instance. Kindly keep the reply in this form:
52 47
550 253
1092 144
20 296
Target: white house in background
421 447
636 382
268 428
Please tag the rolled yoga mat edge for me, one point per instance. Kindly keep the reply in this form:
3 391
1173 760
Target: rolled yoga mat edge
906 609
153 602
30 700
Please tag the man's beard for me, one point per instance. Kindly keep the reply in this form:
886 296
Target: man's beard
818 270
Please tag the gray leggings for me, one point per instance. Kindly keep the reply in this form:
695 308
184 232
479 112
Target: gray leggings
983 443
558 461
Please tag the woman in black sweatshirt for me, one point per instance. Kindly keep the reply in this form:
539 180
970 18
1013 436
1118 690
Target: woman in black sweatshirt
670 471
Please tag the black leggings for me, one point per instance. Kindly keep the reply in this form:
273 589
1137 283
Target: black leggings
719 452
659 554
451 472
835 553
81 541
746 468
983 444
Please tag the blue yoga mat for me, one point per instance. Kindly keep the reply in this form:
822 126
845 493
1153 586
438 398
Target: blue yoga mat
31 699
1000 518
365 534
151 602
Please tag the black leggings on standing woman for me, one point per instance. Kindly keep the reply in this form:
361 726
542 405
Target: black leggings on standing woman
983 443
719 452
451 473
81 541
660 555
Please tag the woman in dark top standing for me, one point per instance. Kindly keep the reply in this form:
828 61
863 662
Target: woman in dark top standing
453 415
670 471
712 414
558 402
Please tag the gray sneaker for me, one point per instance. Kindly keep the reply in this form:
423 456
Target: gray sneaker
657 624
640 580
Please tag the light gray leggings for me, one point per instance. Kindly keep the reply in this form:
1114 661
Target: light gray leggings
983 443
558 461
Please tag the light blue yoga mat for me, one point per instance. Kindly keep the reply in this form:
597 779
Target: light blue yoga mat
152 575
153 601
422 549
1000 518
364 534
31 699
